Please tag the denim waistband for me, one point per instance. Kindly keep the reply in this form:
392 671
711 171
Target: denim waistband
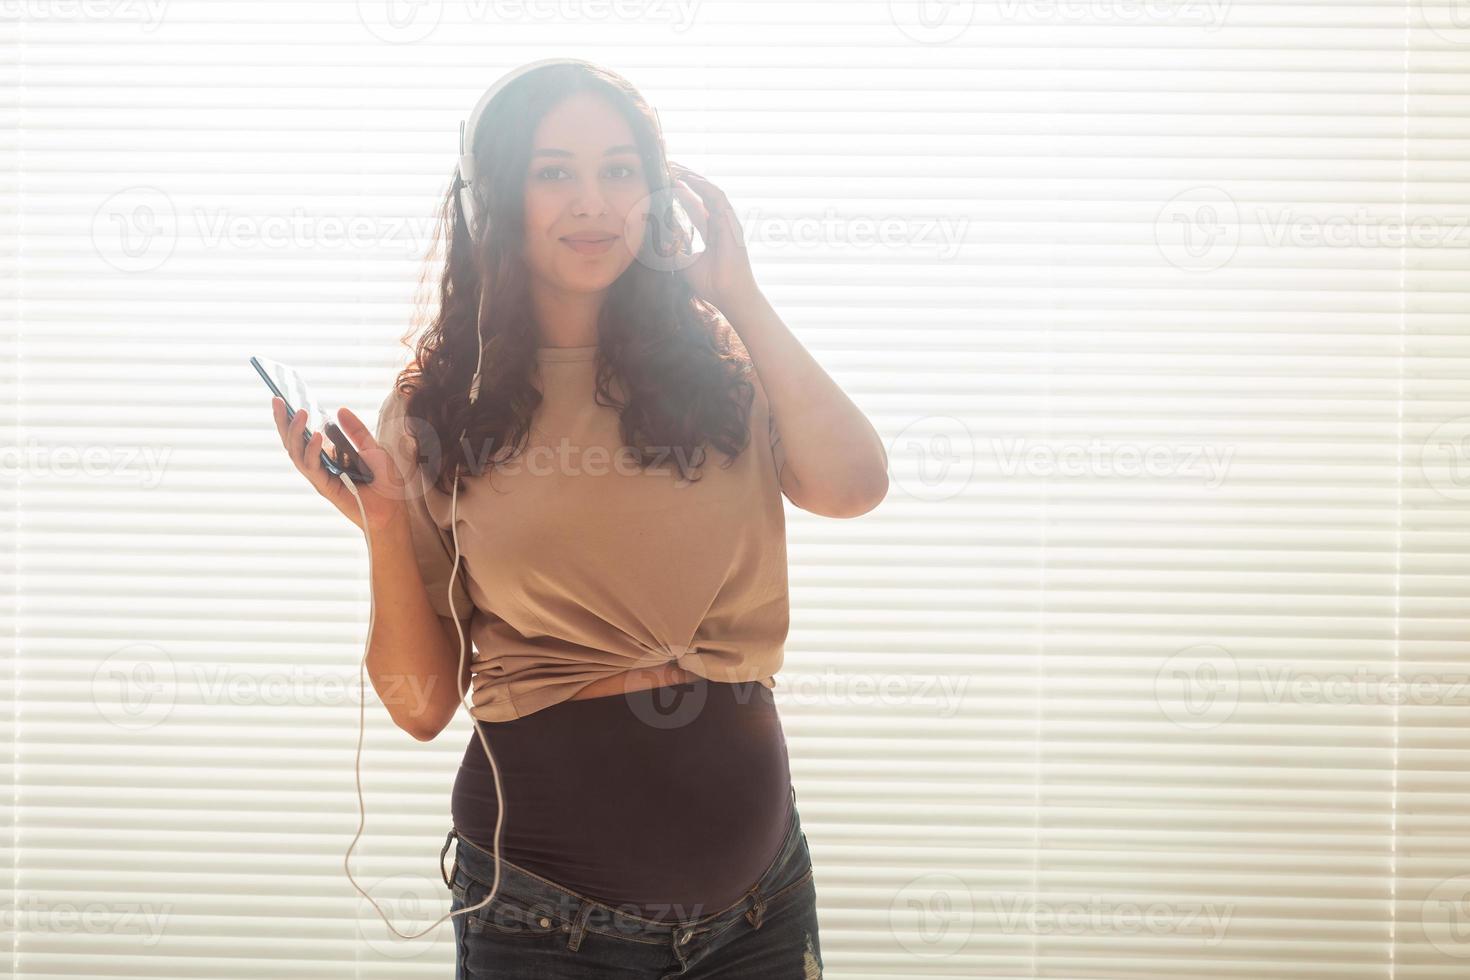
585 914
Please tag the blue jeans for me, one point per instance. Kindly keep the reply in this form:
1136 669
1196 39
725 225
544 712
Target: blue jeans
537 930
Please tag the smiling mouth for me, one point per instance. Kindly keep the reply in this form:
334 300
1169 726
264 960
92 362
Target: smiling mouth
589 247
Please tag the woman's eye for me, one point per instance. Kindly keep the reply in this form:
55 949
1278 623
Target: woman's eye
543 173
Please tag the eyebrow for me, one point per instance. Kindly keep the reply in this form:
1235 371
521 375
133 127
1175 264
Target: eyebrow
554 152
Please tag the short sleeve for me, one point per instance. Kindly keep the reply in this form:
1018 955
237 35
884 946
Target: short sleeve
433 544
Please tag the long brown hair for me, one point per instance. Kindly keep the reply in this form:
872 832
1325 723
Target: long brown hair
682 367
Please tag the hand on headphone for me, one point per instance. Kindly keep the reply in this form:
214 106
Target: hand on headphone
721 275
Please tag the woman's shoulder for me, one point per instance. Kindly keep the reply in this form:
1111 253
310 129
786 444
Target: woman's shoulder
409 444
394 400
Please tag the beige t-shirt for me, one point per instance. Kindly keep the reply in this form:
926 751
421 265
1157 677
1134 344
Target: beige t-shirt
576 565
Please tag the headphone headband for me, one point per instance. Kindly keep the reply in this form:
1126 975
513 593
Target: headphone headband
467 128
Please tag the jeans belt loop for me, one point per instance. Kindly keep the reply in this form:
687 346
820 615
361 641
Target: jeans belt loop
757 908
449 881
579 927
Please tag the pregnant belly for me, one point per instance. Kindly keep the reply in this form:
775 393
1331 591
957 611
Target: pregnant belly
671 802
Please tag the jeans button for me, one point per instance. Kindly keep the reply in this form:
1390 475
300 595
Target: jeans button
544 921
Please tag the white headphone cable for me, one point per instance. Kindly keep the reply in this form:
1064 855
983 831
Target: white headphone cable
469 178
362 719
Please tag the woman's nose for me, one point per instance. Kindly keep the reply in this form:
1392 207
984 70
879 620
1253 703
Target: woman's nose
589 199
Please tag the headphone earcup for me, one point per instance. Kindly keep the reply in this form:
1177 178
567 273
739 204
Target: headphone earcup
467 208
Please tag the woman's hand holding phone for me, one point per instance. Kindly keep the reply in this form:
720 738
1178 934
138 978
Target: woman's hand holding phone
382 499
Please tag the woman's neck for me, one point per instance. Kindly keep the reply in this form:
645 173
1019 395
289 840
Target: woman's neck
566 319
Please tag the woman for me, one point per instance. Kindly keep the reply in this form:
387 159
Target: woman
622 541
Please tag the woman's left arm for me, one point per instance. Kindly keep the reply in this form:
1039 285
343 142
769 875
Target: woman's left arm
835 462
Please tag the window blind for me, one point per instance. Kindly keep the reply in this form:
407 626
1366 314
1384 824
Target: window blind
1153 664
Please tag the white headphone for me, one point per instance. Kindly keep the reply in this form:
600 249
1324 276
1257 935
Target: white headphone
467 175
468 172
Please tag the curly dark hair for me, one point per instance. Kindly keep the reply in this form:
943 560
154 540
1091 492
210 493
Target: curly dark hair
682 367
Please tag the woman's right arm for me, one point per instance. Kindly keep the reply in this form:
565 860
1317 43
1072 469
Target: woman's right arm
413 653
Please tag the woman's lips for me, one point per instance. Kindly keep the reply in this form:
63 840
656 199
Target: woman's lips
589 248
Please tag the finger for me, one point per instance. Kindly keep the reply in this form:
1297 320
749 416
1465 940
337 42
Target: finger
730 227
695 208
340 497
278 411
706 189
685 192
712 224
716 201
366 441
719 212
294 441
312 466
354 429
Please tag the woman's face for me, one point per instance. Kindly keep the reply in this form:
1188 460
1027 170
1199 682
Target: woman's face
585 179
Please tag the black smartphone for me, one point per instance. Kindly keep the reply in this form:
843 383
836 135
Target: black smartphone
338 456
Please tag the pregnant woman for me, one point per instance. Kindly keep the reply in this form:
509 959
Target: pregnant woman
619 607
